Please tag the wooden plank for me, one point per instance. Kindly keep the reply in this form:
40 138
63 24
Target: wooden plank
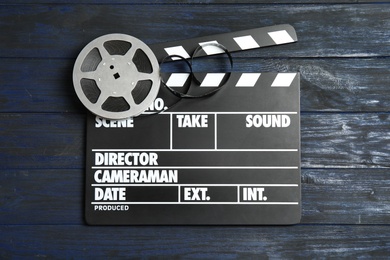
332 196
347 140
355 85
42 141
183 2
345 196
324 241
38 85
53 196
60 31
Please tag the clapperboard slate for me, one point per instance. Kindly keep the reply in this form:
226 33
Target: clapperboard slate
229 159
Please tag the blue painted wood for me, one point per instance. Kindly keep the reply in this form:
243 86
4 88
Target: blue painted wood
342 55
305 241
60 31
181 2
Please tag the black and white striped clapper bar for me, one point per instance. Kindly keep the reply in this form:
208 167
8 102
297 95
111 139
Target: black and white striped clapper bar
157 158
233 42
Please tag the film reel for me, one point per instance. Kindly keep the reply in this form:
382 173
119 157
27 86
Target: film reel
116 76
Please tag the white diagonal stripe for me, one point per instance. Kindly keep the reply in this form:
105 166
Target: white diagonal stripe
283 80
177 50
246 42
177 79
210 49
248 79
281 37
212 80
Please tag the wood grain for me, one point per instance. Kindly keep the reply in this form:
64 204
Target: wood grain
184 2
306 241
342 56
60 31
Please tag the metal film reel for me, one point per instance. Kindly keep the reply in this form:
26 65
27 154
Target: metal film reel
116 76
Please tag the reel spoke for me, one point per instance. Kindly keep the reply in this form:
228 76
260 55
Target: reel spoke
89 75
130 100
103 52
102 98
144 76
130 53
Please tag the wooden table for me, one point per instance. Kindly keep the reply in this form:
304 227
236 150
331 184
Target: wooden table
342 55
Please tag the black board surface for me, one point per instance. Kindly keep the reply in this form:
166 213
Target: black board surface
231 158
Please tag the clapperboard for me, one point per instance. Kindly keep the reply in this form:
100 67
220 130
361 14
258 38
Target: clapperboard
232 158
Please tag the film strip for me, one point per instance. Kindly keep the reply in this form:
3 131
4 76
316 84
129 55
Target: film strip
117 76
